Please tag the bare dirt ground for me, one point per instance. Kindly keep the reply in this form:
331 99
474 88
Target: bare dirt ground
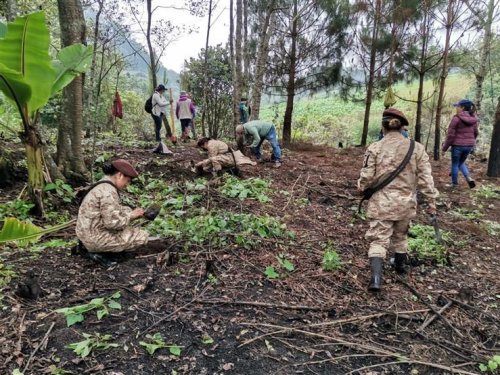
308 321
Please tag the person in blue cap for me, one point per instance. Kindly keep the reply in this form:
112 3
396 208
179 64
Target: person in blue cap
461 137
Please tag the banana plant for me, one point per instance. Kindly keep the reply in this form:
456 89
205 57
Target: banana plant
29 78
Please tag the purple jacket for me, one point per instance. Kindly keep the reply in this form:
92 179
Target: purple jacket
462 131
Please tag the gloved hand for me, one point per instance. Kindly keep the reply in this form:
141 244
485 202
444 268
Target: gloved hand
152 212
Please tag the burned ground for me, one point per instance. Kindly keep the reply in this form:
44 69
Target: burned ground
214 300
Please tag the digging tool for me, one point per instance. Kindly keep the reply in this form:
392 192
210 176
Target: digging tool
172 117
437 232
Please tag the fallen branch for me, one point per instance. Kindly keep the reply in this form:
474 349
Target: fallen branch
265 304
291 193
432 318
42 343
415 292
473 308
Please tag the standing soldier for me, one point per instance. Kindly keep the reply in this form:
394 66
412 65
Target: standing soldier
393 206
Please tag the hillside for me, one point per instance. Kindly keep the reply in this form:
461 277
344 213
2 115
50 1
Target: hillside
274 283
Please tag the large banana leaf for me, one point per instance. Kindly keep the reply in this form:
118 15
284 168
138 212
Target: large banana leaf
71 62
13 86
24 233
25 49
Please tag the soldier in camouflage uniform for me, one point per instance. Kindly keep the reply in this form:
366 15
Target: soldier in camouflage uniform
220 156
103 224
391 208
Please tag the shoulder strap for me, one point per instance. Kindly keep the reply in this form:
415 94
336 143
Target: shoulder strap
367 194
91 187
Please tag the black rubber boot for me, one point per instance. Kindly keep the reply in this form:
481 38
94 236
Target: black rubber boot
377 265
400 260
101 259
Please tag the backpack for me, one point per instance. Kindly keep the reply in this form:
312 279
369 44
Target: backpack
148 105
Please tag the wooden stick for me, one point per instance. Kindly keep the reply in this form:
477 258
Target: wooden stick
291 193
432 318
264 304
45 338
415 291
473 308
172 118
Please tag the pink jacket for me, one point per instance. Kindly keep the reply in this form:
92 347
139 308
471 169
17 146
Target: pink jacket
462 131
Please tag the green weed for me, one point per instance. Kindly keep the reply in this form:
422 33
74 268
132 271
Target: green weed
6 274
468 213
492 365
17 208
285 263
92 342
331 260
423 244
75 314
212 279
252 188
487 191
492 227
156 342
271 273
62 190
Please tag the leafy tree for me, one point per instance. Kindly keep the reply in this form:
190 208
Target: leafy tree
28 78
305 55
219 88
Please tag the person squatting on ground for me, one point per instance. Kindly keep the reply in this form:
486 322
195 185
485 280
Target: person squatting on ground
462 134
220 156
159 110
185 112
103 224
260 131
391 208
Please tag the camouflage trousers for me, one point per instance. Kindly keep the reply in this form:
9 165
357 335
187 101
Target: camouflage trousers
387 235
116 242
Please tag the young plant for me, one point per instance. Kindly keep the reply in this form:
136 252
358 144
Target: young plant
62 190
75 314
271 273
92 342
252 188
331 260
285 263
156 342
492 365
422 242
212 279
17 208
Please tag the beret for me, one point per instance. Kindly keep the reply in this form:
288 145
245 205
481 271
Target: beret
125 167
395 113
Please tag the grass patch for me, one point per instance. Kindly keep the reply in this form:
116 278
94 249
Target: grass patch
423 245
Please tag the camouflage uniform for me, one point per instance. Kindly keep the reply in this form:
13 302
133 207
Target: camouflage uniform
391 209
103 224
219 156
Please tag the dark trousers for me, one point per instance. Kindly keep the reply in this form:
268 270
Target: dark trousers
157 120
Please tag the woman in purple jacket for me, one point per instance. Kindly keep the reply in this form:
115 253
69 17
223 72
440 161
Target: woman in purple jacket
462 134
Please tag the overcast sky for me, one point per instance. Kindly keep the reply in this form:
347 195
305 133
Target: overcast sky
190 45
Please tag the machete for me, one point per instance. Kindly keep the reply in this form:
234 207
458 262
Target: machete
437 232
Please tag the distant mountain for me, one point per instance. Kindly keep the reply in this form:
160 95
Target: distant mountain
137 68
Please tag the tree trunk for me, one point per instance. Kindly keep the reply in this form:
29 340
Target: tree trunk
442 80
35 164
152 61
485 53
72 23
205 75
494 159
237 63
371 73
266 30
290 89
420 100
246 52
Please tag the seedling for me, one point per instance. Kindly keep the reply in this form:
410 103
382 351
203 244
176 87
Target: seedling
92 342
271 273
62 190
331 260
207 340
285 263
492 365
156 342
212 279
17 208
75 314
